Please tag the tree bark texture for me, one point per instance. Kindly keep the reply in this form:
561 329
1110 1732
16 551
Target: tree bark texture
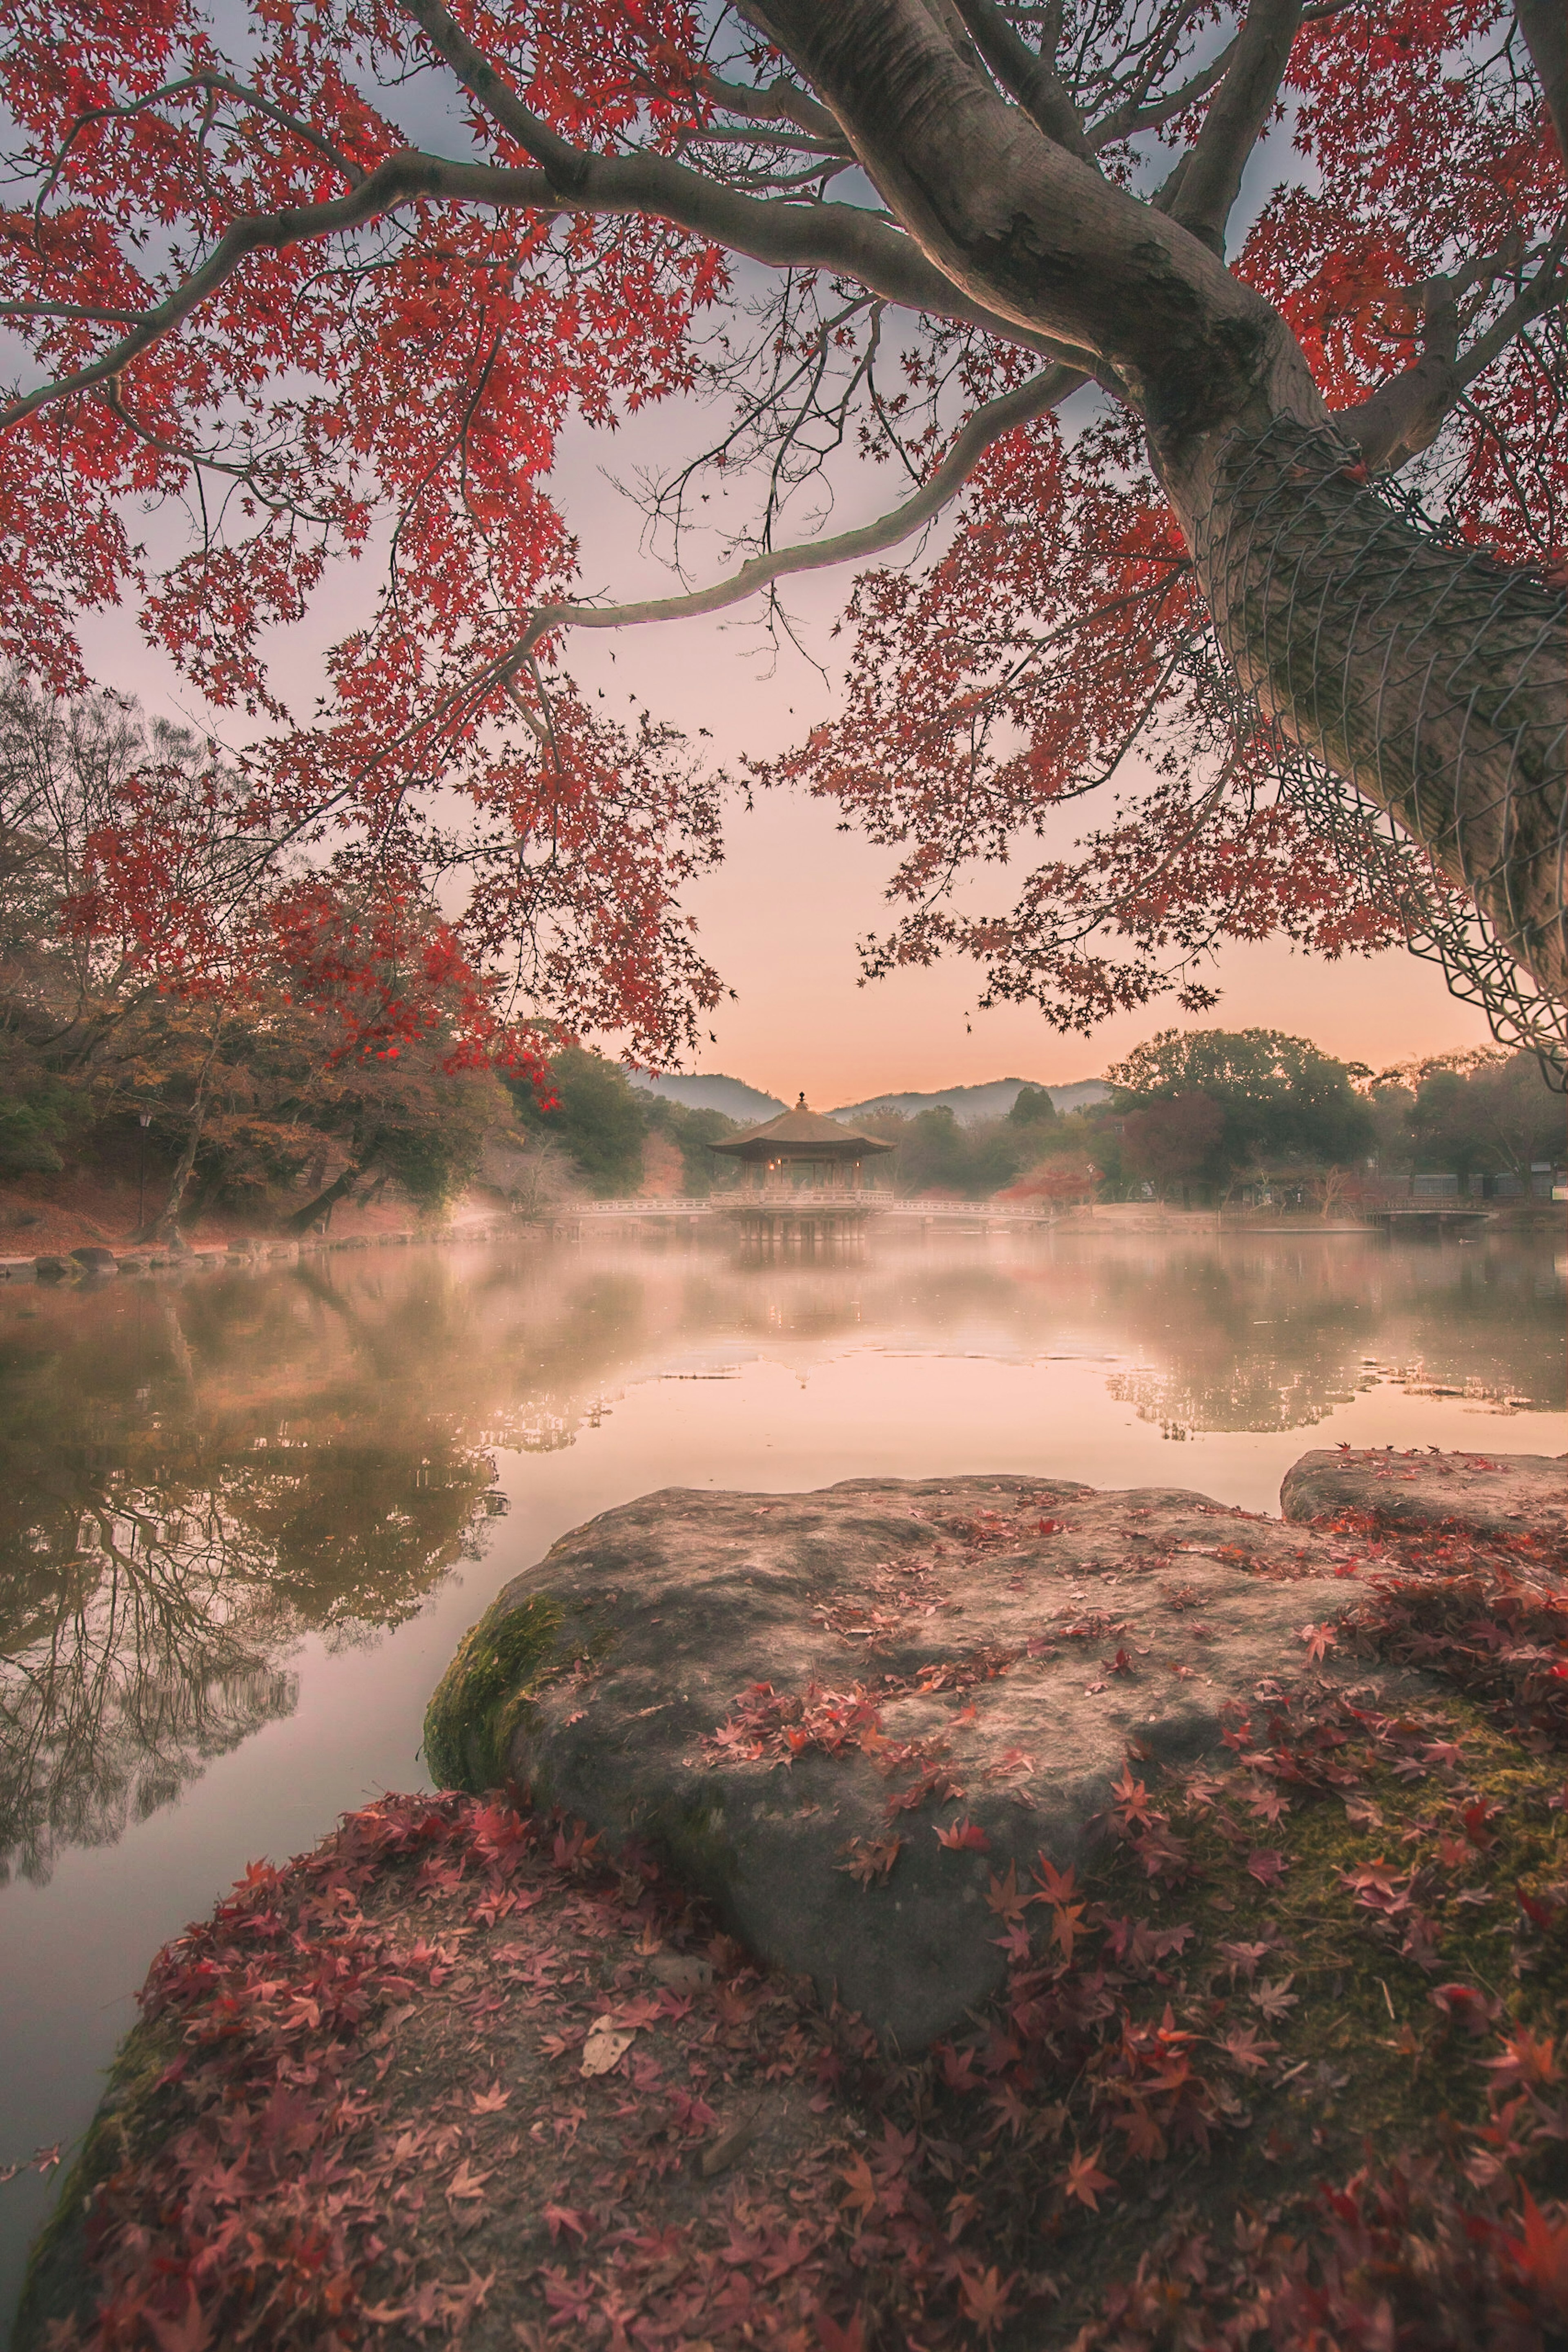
1432 682
324 1202
165 1228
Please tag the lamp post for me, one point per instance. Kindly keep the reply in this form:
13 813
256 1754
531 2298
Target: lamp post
143 1120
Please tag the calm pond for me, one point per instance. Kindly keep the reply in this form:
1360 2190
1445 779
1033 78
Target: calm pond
246 1517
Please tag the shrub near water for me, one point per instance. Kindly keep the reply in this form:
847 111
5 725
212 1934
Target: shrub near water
1285 2070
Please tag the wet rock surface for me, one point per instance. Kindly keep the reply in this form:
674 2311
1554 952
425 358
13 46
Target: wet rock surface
837 1714
1488 1494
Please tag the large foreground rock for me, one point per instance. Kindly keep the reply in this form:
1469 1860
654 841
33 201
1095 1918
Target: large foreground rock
772 1690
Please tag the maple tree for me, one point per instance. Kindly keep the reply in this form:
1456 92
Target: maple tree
249 301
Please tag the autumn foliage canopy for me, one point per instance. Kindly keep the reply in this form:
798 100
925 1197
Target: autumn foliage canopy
301 302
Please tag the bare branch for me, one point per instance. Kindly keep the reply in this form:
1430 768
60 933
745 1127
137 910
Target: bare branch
988 424
1126 121
1235 121
764 134
781 101
1025 76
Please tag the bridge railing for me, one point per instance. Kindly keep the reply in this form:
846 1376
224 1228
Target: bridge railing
641 1208
782 1202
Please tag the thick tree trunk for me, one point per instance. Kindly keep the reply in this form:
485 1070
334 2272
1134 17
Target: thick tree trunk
1431 678
324 1202
164 1229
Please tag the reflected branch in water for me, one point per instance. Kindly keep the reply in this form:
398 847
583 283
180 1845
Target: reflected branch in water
161 1554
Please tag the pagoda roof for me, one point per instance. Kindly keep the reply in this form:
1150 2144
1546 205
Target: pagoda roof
801 1134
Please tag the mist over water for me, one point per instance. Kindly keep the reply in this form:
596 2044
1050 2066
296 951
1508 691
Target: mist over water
246 1517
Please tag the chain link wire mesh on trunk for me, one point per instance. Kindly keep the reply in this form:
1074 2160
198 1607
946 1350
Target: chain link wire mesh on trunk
1418 693
1437 924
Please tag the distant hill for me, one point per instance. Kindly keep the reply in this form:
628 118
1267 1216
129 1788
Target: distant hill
733 1096
993 1100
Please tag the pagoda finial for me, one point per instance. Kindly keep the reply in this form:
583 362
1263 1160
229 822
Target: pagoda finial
801 1104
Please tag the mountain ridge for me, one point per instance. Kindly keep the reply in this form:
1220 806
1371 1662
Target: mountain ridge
733 1096
992 1098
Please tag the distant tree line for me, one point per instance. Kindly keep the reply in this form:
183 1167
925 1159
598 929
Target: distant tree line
1217 1110
277 1101
1210 1113
600 1124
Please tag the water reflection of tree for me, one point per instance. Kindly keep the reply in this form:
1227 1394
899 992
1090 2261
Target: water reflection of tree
1242 1338
165 1542
1259 1335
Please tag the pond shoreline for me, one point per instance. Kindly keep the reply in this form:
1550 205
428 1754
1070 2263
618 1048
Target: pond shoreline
95 1262
98 1262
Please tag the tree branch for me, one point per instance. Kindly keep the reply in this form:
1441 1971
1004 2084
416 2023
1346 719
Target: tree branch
1026 76
401 177
856 243
846 239
988 424
1126 121
1034 233
1402 417
1545 29
70 310
1211 180
779 102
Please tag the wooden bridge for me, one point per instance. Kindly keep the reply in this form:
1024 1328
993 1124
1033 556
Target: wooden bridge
803 1202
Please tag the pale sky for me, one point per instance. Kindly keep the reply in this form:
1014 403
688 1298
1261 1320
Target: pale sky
781 917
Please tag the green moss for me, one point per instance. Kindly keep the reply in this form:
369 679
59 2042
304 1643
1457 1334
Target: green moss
501 1663
698 1842
133 2116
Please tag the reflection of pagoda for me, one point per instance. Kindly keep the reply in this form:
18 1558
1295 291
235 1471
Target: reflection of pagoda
805 1177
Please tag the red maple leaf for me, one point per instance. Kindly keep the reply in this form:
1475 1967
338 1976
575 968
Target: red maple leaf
984 2296
861 2188
1003 1897
964 1834
1056 1885
1085 2181
1542 2252
1132 1799
832 2337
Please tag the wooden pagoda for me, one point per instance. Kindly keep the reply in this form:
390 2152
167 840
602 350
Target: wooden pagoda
803 1178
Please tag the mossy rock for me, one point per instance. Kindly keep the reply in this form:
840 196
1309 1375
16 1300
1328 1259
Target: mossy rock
475 1708
1013 1636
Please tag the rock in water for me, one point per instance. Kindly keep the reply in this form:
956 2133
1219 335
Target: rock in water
839 1715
